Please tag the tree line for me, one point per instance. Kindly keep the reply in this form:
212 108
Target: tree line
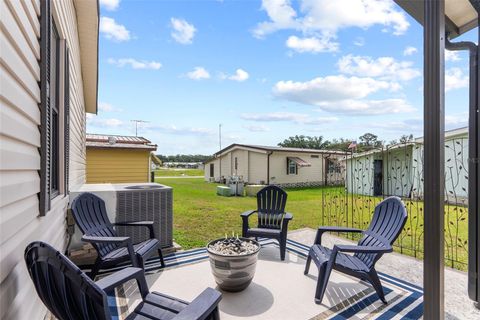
365 142
183 158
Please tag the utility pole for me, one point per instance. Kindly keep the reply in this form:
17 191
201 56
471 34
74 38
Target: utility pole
136 125
220 145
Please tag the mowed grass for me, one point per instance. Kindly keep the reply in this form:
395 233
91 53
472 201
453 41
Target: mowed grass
200 216
169 172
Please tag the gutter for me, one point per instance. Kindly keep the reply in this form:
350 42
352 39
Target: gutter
473 174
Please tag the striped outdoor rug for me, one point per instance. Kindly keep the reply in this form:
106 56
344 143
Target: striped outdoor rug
279 289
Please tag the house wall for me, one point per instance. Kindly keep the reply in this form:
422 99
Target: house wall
397 172
403 171
257 167
111 165
278 169
20 222
359 177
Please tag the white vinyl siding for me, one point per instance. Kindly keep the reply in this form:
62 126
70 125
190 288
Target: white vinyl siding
20 222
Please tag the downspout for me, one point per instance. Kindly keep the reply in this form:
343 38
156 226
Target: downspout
268 166
473 163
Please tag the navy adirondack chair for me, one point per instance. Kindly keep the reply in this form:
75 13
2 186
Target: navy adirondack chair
272 218
387 223
70 294
91 217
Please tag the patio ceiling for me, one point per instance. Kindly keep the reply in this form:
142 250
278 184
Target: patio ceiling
460 15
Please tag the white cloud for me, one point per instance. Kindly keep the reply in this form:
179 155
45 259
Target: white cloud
367 107
107 107
96 121
299 118
198 73
359 41
240 75
112 30
455 79
257 128
135 64
453 121
341 94
383 67
324 18
183 32
312 44
110 5
173 129
452 56
330 88
409 51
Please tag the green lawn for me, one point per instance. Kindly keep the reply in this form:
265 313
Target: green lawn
200 215
170 172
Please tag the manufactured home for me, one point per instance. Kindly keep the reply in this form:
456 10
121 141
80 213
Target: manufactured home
288 167
48 82
398 169
118 159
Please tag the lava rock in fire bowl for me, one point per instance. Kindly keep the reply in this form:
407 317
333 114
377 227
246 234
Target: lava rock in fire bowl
233 262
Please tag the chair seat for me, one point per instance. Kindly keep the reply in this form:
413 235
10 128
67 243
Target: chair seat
144 248
321 255
263 232
158 306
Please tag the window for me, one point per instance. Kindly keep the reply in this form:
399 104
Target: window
236 163
314 156
291 167
212 171
54 108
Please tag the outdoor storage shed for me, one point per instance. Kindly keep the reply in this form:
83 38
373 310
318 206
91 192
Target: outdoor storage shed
118 159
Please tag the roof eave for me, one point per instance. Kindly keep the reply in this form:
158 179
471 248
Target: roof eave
88 22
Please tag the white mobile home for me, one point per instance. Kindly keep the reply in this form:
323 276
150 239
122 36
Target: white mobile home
289 167
48 62
398 169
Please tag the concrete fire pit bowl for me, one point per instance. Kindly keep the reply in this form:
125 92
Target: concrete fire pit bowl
233 262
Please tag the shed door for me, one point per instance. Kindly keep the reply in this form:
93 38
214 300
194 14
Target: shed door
377 177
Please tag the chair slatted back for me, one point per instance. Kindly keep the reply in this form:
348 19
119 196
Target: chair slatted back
271 202
91 217
387 223
64 289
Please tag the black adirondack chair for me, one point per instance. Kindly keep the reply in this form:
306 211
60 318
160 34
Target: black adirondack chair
70 294
91 217
272 218
388 220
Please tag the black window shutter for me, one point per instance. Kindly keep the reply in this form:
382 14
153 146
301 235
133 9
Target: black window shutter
288 167
45 107
66 112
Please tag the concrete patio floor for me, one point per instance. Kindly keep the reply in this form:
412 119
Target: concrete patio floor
457 303
281 291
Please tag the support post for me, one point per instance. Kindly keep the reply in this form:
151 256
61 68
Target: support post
434 178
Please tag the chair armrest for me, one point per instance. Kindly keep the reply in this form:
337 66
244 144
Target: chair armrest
248 213
362 249
112 281
96 239
121 241
288 216
148 224
322 230
201 307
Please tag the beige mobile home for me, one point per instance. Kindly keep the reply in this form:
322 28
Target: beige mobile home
48 74
289 167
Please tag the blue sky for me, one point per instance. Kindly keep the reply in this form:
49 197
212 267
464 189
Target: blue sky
265 70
